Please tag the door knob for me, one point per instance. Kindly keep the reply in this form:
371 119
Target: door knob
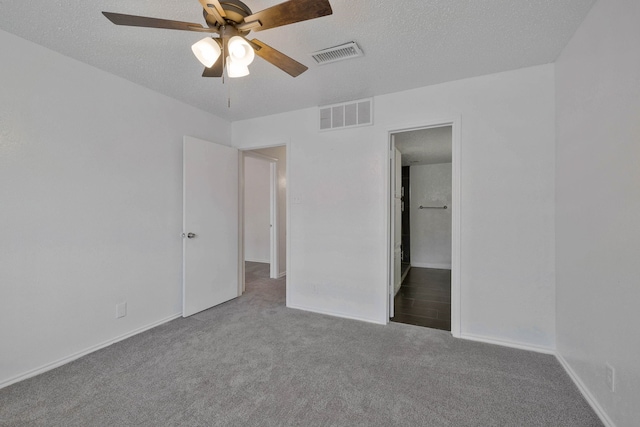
188 235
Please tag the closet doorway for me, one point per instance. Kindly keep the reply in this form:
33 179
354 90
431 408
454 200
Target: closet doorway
422 193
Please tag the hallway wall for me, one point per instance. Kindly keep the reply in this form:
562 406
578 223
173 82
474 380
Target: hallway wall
257 210
431 228
280 153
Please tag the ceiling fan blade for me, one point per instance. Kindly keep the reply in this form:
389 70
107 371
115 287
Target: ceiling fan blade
279 59
143 21
214 9
219 8
215 70
290 12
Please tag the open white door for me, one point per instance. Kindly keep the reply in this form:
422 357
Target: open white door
210 225
396 225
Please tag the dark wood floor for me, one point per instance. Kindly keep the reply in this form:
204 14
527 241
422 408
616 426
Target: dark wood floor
425 299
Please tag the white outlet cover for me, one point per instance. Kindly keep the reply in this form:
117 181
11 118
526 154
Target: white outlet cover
121 310
611 378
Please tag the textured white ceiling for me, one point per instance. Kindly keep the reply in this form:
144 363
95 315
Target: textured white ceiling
407 44
425 146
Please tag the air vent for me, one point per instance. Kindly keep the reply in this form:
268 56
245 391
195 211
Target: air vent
337 53
346 115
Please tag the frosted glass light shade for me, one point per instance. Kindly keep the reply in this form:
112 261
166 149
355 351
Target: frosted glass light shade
235 69
207 51
241 51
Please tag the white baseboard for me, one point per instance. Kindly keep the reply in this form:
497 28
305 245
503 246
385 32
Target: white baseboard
404 275
281 275
506 343
74 356
591 400
334 314
430 265
262 261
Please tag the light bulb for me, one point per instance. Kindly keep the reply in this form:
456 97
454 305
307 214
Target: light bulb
207 51
240 51
235 69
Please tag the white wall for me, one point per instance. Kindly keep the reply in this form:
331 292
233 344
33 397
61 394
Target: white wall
430 228
280 153
335 221
91 194
257 207
598 205
338 211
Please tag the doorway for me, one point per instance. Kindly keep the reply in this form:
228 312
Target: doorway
263 197
424 227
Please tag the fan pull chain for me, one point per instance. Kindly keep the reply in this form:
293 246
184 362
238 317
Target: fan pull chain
224 67
224 60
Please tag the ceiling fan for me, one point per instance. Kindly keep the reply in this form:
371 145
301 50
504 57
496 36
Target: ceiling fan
232 21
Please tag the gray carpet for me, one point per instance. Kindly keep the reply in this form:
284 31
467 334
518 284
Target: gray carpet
254 362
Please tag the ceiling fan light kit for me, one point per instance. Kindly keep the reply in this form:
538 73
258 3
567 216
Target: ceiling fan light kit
207 51
232 21
240 51
236 69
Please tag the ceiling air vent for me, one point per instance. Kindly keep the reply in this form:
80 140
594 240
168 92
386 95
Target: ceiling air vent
346 115
337 53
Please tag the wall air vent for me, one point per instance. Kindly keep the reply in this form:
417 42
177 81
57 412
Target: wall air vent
346 115
337 53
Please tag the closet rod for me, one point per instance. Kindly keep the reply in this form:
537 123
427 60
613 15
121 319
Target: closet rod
433 207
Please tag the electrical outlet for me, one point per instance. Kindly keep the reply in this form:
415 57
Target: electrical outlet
121 310
611 378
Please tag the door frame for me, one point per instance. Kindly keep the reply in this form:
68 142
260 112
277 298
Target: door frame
249 152
456 214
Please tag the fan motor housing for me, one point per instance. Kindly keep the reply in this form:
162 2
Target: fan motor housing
235 10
